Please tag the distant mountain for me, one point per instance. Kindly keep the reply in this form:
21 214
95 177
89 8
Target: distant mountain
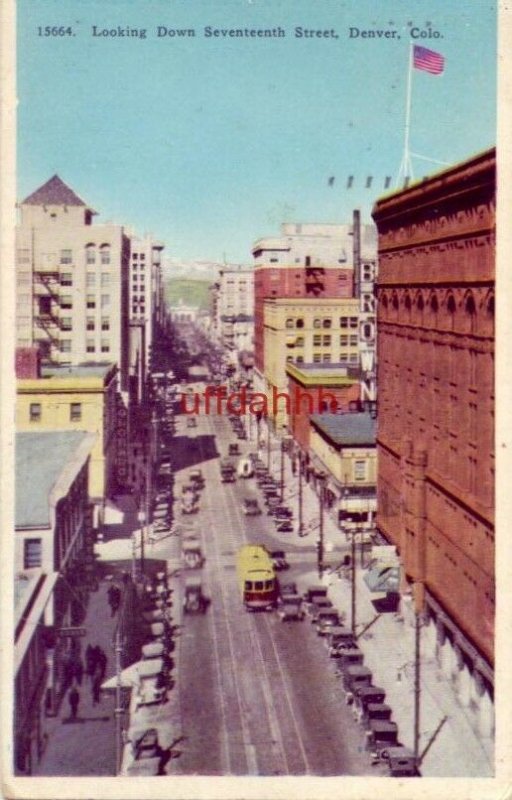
195 270
192 291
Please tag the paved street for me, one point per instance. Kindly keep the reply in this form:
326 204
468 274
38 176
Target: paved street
257 697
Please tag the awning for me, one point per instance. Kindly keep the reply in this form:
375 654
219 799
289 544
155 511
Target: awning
384 578
129 678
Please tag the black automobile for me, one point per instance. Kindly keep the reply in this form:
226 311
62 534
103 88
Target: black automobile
285 526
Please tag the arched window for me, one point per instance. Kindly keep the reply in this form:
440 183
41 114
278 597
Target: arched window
90 254
470 309
451 307
105 254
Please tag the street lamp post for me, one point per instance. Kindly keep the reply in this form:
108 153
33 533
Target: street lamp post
321 477
353 583
301 521
141 516
282 471
118 709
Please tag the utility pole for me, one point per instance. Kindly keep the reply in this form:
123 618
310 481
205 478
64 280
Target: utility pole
353 587
321 526
118 709
282 470
417 686
301 522
268 443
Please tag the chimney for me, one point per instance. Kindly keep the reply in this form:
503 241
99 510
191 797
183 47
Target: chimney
28 362
356 241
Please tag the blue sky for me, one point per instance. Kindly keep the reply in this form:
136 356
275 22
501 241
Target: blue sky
210 143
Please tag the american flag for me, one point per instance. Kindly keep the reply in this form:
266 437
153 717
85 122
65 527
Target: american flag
428 60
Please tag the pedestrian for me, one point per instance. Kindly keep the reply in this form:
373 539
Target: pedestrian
101 662
96 689
74 700
79 671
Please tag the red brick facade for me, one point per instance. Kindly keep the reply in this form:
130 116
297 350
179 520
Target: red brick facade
435 328
294 282
299 424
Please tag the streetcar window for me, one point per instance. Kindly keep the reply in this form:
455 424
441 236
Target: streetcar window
248 584
269 584
258 585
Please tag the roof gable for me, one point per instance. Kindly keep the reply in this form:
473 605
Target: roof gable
54 193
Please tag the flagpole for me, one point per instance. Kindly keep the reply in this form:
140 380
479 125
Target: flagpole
405 170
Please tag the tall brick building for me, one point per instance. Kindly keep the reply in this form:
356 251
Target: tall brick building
435 324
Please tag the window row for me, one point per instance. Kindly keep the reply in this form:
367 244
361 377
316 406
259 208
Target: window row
66 324
65 346
325 322
326 358
36 412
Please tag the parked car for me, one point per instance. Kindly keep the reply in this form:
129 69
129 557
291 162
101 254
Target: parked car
279 560
251 507
285 527
283 511
291 609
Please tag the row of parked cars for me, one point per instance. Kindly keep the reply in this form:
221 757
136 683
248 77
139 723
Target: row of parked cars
271 491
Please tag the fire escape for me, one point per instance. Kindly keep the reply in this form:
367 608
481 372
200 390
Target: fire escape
315 280
46 296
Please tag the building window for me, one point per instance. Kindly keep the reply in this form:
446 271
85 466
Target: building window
353 322
105 278
66 257
326 358
90 324
300 359
105 346
317 340
105 323
75 412
317 323
317 358
142 256
90 279
343 356
89 346
343 340
343 322
66 279
135 255
289 359
353 341
66 301
91 301
326 323
66 324
299 341
326 341
90 254
105 300
65 345
274 261
32 553
359 470
35 412
105 254
289 322
354 358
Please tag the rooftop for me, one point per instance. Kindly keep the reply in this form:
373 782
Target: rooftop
40 460
347 429
324 374
88 370
54 193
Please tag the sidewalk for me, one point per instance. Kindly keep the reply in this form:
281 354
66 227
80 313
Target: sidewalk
86 746
458 750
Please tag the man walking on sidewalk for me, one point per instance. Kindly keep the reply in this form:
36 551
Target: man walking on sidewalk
74 700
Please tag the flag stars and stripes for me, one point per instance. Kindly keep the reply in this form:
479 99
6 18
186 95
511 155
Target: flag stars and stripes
427 60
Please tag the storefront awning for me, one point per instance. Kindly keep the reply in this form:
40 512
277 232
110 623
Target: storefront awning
383 578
